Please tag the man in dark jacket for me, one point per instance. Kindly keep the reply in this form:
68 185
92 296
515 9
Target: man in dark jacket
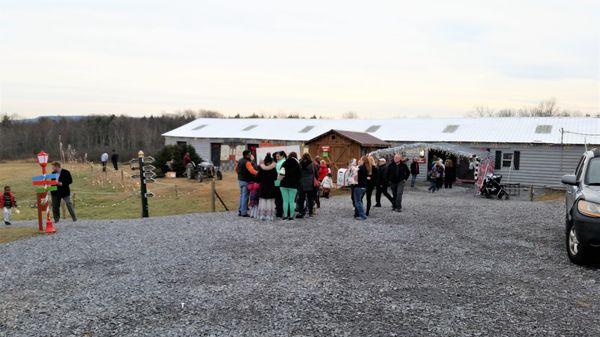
115 159
398 173
382 183
63 192
246 173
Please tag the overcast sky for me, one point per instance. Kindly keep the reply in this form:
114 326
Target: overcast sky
326 57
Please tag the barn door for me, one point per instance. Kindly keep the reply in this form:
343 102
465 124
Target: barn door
215 153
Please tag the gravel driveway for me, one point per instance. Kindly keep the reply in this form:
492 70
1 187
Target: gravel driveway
449 265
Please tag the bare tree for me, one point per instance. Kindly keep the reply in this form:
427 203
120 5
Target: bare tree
350 115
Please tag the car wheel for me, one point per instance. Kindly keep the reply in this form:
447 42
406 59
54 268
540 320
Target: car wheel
575 250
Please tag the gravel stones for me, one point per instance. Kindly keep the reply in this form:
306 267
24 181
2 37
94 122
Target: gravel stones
449 264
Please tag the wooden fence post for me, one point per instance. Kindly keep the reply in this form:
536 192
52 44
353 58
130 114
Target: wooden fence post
212 195
531 193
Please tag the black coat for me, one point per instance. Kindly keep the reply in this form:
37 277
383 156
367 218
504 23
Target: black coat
450 174
414 168
292 173
362 176
266 179
382 178
308 174
66 180
397 172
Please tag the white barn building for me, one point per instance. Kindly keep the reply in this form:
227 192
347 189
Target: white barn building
536 151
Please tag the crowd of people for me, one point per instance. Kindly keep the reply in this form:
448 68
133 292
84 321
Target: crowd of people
287 187
282 185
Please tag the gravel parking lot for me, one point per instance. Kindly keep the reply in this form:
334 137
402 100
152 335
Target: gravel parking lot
449 265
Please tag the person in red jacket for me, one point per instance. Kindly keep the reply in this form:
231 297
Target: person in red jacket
8 202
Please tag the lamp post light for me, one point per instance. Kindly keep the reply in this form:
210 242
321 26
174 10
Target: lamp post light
42 159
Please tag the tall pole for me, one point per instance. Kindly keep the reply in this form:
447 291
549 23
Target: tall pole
143 189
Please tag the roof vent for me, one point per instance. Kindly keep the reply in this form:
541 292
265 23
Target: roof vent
542 128
200 127
307 128
249 127
373 128
450 128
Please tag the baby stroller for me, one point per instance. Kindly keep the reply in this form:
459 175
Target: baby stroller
491 187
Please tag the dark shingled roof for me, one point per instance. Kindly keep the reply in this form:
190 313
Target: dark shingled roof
362 138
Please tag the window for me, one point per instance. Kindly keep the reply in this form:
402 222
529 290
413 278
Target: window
450 128
592 173
200 127
507 159
307 128
373 128
249 127
543 128
179 143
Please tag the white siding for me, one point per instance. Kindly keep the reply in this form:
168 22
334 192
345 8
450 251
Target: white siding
540 165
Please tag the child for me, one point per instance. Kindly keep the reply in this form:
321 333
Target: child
327 185
253 190
9 203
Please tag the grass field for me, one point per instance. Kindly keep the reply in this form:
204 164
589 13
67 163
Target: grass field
114 195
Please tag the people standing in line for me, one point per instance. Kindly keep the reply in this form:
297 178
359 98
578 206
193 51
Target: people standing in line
267 176
398 173
351 181
382 183
306 188
414 171
449 174
280 158
9 202
104 161
245 174
114 158
327 185
62 192
360 189
372 179
290 181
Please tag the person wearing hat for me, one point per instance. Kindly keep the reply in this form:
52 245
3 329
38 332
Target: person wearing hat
63 192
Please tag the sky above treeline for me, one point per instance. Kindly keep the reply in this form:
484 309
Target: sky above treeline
376 58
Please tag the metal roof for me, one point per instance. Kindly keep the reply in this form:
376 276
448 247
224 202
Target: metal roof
468 130
362 138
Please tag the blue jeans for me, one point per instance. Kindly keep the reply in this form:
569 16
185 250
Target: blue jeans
413 180
243 210
359 193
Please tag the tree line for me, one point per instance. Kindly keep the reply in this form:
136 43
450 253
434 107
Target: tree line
86 137
546 108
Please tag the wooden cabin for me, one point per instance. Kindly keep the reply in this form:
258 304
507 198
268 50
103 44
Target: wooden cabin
338 147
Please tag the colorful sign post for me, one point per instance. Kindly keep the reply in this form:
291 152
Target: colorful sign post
44 184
